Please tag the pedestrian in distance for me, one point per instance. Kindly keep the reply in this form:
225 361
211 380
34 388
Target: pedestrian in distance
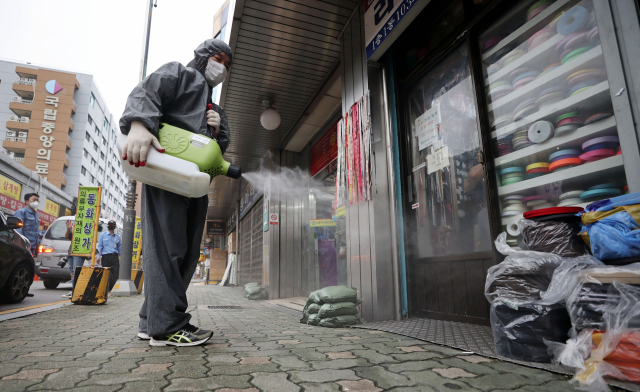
108 252
30 221
172 225
74 261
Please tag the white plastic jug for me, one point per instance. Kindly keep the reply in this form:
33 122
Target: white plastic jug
167 172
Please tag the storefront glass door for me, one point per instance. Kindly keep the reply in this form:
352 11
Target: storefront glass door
448 233
554 133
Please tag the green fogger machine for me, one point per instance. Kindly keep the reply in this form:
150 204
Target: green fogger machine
201 150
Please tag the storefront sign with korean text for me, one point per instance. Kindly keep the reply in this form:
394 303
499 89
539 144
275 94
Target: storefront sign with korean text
216 228
381 17
85 231
231 223
51 207
323 151
10 188
9 205
322 223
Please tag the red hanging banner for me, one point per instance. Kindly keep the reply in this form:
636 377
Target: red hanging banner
324 150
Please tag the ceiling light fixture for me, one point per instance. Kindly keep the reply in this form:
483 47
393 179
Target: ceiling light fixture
270 118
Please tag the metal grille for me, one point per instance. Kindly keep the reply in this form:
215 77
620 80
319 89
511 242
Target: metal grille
221 307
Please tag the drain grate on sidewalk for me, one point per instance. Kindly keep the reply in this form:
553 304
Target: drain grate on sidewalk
222 307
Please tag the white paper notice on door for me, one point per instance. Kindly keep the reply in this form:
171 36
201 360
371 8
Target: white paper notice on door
438 160
427 127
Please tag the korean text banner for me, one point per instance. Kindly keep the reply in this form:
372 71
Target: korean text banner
10 188
87 215
137 243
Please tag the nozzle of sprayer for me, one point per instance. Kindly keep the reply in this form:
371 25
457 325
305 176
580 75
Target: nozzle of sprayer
234 171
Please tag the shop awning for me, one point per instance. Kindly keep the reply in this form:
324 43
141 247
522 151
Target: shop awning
285 52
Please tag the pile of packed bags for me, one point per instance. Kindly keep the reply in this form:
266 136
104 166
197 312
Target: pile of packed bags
333 307
254 291
568 301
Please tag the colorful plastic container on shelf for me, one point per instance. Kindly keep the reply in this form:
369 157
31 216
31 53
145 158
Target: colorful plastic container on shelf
571 195
602 139
600 194
574 19
537 165
598 117
597 155
525 108
539 38
572 162
602 146
615 185
537 8
541 131
548 69
491 42
512 56
594 37
575 54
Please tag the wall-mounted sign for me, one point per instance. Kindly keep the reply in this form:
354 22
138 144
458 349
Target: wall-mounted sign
322 223
381 17
428 127
438 160
265 214
273 219
216 228
85 232
231 223
9 205
53 86
323 151
51 208
10 188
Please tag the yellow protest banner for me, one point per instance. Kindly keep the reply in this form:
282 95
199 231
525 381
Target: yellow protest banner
10 188
85 232
137 244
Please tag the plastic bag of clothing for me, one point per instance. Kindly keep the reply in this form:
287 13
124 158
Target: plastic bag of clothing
334 294
614 353
593 294
521 277
339 309
339 321
565 279
559 237
520 331
611 230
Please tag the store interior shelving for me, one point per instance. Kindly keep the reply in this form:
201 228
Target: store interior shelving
540 152
523 32
591 59
596 98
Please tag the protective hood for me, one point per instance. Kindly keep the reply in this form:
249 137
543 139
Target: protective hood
207 49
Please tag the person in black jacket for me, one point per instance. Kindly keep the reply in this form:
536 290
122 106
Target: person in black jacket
172 225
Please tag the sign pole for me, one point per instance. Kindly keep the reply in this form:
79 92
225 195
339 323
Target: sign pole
125 286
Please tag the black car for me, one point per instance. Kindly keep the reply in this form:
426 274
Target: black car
16 262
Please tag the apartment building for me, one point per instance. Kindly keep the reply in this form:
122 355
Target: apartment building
58 125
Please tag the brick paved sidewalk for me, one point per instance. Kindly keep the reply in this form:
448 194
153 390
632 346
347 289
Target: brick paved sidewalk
257 348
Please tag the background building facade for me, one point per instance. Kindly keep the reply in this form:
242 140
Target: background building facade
58 125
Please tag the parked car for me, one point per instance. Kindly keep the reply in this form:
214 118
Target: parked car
53 247
16 263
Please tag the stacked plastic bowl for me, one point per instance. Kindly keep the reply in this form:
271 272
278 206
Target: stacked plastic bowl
581 80
568 122
602 191
562 159
540 37
536 170
525 108
599 148
550 97
541 131
538 202
537 8
597 117
570 198
513 206
521 139
499 89
511 175
503 146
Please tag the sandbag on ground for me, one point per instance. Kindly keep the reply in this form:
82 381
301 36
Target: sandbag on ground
334 294
338 309
340 321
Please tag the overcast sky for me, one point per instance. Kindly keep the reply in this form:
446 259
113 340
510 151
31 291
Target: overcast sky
103 38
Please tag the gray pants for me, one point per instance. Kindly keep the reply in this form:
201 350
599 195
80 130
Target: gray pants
172 227
111 260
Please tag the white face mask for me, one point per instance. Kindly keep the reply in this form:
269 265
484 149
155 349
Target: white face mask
215 73
34 205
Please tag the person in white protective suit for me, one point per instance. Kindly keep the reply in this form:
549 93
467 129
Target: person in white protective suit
172 225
